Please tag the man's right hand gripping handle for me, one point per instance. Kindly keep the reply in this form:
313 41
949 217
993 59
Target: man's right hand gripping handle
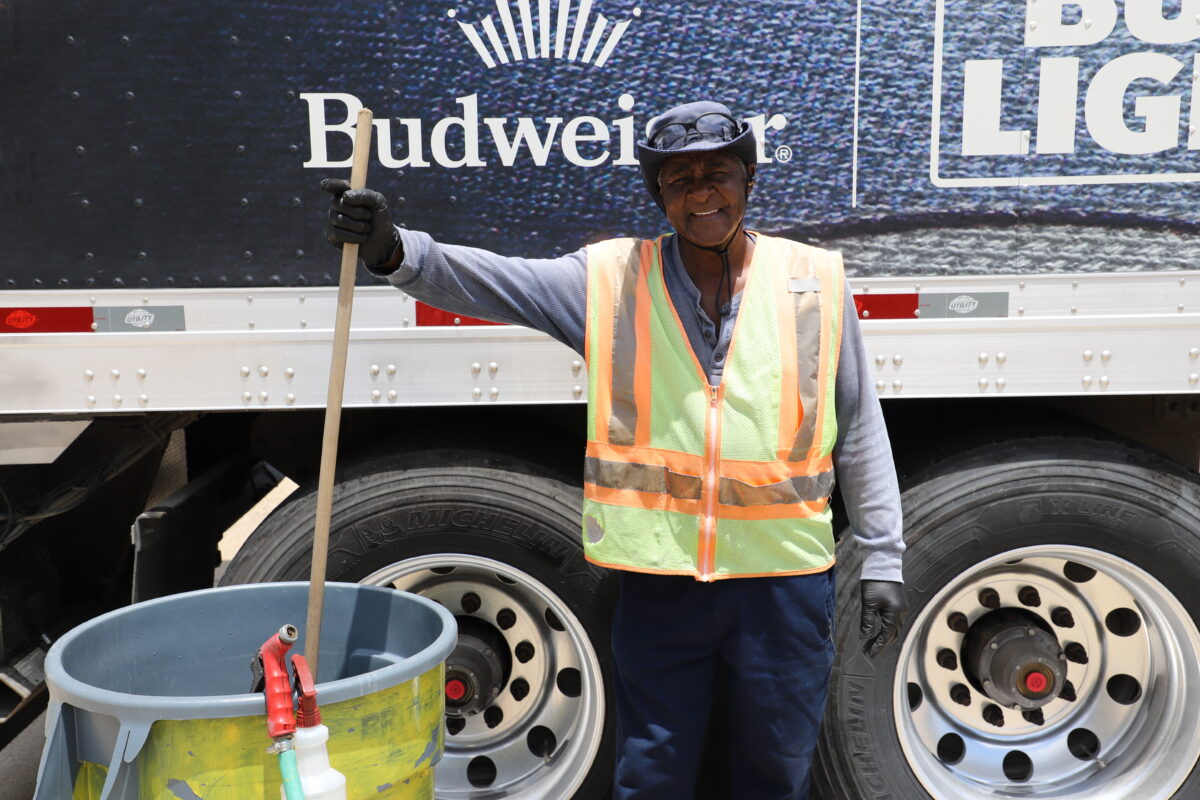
360 216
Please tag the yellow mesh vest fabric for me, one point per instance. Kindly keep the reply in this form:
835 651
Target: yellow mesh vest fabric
644 531
750 413
679 395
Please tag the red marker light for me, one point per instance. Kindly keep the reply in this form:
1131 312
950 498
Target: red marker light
456 689
1036 682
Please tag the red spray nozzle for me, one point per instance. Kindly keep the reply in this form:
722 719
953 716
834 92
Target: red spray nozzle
278 689
308 714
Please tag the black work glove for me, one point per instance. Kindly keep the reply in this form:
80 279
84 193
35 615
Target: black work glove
360 216
882 613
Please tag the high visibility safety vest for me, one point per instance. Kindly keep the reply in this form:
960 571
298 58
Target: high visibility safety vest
684 478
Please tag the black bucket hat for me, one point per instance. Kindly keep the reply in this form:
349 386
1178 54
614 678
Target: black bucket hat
682 130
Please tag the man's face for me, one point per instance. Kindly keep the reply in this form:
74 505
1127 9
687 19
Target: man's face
704 195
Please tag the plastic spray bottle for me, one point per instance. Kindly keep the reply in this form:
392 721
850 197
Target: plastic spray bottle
318 777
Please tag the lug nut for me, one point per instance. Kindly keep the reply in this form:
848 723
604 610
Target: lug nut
989 598
947 660
1062 618
958 622
960 694
1034 716
1029 597
992 715
1068 692
471 602
1075 653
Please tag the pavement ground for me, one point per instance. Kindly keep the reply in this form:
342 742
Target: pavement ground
19 760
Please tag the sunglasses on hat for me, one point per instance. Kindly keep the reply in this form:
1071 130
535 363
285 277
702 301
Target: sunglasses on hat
711 127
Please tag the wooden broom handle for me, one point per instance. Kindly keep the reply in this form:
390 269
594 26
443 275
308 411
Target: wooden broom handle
333 408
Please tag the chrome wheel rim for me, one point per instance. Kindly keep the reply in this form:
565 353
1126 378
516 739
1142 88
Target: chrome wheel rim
536 740
1133 727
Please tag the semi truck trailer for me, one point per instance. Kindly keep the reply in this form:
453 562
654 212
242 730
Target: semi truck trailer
1012 184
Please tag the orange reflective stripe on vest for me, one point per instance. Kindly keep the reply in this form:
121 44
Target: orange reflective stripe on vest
685 478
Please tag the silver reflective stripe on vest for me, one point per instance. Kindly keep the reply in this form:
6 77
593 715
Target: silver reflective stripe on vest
641 478
622 422
660 480
805 488
808 362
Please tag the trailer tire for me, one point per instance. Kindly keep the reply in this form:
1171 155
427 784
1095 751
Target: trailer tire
1109 537
452 524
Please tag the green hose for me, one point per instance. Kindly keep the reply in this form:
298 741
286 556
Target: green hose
291 775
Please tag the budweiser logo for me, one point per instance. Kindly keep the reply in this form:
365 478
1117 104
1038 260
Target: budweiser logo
469 137
20 319
461 140
553 34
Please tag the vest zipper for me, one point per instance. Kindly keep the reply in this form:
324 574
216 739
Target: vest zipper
712 453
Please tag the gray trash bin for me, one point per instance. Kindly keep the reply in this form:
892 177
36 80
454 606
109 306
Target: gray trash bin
152 701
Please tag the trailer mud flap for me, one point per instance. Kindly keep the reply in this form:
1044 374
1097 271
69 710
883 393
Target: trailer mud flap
175 542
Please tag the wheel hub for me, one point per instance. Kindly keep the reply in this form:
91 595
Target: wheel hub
475 671
1014 660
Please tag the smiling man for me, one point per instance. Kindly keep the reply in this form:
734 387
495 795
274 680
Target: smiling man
727 383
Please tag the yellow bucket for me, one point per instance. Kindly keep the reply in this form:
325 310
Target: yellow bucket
143 701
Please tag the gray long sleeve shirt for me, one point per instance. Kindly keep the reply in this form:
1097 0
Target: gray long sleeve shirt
550 295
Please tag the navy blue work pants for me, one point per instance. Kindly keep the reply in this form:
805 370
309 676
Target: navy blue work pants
766 643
